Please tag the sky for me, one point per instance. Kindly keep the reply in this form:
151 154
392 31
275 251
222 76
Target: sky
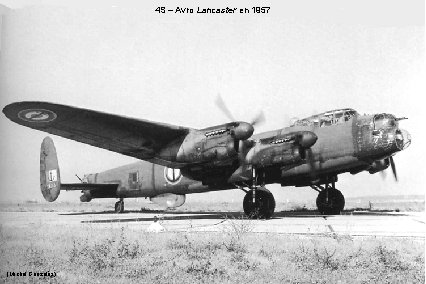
123 57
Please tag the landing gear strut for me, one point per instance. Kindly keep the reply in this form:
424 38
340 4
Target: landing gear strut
119 206
330 201
259 202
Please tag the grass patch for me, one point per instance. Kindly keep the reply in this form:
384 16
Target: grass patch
93 254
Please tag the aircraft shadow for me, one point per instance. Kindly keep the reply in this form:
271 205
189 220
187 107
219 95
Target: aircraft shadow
167 218
209 215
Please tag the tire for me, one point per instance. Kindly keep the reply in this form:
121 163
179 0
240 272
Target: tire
333 205
119 207
264 206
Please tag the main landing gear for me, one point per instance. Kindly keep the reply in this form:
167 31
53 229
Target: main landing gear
330 201
119 206
259 203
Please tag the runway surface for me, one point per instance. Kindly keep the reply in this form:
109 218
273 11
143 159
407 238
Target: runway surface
356 224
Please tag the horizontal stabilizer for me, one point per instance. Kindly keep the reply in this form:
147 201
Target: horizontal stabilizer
89 186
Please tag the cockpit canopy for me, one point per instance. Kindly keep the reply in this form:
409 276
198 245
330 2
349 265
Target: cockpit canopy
327 118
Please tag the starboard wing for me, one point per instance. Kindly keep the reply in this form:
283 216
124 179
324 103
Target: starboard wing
137 138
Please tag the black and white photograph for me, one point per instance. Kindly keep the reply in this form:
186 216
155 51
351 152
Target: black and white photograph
258 141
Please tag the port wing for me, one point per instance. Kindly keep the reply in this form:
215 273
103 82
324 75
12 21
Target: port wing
137 138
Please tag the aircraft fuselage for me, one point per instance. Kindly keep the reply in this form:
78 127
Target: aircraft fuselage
143 179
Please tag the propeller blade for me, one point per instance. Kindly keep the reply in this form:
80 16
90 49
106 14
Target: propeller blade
393 168
311 162
243 147
220 103
259 119
241 151
222 106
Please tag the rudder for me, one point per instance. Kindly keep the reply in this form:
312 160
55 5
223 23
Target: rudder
50 179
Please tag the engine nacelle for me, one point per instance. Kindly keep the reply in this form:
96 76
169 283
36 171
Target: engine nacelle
217 143
286 149
378 166
270 155
169 200
206 147
222 151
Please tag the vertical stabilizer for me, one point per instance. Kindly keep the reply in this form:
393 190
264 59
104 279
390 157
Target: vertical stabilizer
50 179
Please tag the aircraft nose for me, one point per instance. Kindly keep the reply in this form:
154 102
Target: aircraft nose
403 139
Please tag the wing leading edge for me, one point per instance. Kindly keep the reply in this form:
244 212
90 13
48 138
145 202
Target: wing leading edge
136 138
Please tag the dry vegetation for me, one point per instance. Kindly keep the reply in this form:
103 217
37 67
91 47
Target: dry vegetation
94 254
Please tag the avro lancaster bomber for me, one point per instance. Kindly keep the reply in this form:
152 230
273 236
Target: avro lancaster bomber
177 160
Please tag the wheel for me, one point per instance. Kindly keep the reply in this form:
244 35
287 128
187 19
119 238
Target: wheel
330 202
263 207
119 206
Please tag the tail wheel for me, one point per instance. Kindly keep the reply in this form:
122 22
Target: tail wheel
262 207
119 207
330 202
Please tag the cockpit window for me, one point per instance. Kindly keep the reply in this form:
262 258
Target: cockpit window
328 118
351 112
338 115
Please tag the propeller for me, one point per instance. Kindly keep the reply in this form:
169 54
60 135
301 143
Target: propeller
220 103
244 130
222 106
311 162
243 147
392 163
305 140
259 119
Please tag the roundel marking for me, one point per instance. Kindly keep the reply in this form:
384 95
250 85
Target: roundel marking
172 176
37 115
